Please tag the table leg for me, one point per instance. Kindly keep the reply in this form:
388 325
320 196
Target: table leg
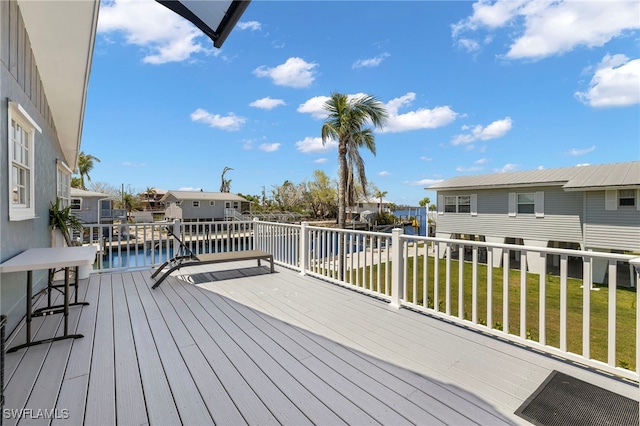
29 297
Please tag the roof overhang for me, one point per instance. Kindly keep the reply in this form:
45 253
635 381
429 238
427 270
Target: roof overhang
62 36
214 18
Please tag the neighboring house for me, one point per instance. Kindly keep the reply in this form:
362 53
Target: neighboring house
152 201
590 208
198 206
89 205
369 204
45 59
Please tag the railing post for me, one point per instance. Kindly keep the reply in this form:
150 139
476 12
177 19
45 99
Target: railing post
303 250
635 262
256 239
397 268
176 231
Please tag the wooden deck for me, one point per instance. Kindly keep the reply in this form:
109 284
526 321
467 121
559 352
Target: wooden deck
242 346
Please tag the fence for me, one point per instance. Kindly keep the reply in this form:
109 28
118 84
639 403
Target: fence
483 286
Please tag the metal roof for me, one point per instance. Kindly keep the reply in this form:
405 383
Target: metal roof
571 178
77 192
200 195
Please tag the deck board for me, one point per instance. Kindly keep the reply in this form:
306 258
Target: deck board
222 345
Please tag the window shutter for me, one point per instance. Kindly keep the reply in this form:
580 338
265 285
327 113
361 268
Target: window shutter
512 204
440 204
474 204
638 199
611 200
539 206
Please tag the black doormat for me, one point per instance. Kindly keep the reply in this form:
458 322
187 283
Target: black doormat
564 400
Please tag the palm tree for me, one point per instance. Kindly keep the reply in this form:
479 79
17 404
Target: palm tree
85 165
380 195
225 184
346 121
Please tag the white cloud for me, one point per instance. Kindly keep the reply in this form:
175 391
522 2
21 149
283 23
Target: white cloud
309 145
370 62
509 167
249 25
132 164
384 173
295 72
423 158
468 169
482 161
267 103
545 28
315 107
583 164
422 118
615 83
189 188
320 161
229 122
469 44
494 130
269 147
164 36
423 182
576 152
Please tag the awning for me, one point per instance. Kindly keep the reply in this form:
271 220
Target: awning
215 18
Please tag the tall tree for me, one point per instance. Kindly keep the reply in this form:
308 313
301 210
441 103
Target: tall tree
85 165
345 123
151 195
225 184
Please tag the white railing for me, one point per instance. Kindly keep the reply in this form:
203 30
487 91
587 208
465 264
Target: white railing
475 284
144 245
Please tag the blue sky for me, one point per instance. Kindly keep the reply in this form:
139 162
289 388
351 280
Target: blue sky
470 88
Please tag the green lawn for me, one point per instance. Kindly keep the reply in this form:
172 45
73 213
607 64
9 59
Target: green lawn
625 316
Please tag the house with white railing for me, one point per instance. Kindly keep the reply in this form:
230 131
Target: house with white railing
593 208
200 206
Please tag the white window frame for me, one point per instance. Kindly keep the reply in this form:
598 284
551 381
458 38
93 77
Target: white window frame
630 195
79 204
532 203
195 204
63 179
212 203
25 210
470 203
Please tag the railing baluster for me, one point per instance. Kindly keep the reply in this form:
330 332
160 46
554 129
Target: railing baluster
612 311
447 281
425 275
489 287
523 294
563 302
505 292
542 320
474 285
436 276
586 307
461 249
415 273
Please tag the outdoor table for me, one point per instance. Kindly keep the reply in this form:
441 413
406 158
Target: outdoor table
51 259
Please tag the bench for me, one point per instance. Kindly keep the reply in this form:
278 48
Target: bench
209 258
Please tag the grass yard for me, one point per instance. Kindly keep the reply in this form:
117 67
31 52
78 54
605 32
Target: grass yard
625 315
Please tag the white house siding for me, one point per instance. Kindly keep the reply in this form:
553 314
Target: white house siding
20 82
611 229
561 221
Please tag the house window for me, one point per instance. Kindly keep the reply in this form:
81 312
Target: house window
64 184
626 197
526 203
76 204
196 204
21 141
457 204
212 203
